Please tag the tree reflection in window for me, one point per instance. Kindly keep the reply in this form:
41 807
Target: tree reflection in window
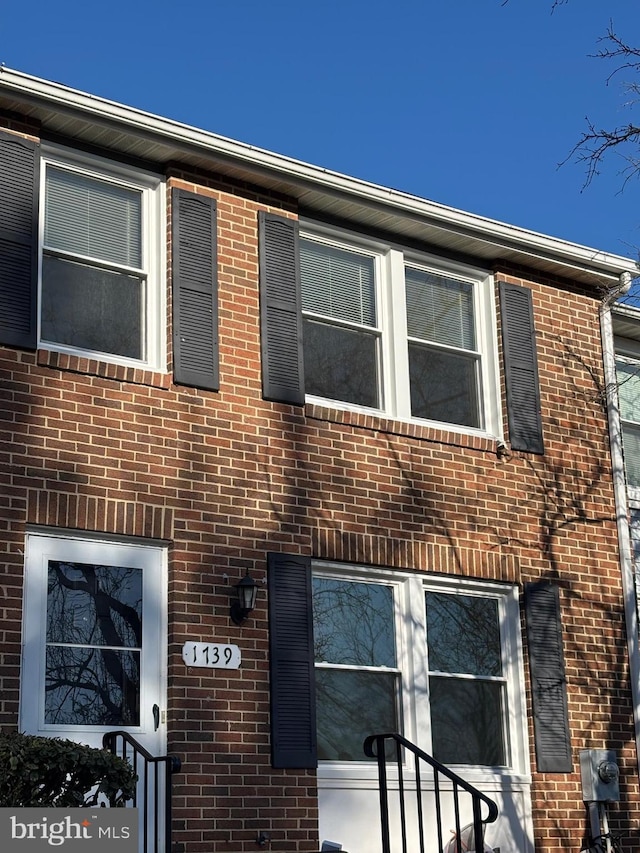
356 678
466 682
94 640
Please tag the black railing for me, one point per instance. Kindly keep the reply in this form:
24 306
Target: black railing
153 791
446 783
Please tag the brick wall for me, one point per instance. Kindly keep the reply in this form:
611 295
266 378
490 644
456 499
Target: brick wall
226 477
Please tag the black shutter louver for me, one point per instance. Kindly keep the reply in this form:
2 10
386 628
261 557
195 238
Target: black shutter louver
521 369
293 704
195 290
548 679
19 190
280 309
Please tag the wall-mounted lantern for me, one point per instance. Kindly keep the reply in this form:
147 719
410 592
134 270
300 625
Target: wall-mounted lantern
246 591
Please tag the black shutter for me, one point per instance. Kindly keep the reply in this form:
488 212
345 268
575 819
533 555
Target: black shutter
548 680
293 702
19 190
521 369
280 309
195 290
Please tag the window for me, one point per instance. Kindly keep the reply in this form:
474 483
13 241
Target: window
438 661
397 332
628 374
466 679
357 680
99 273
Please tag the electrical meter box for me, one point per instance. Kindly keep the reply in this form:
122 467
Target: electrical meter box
600 776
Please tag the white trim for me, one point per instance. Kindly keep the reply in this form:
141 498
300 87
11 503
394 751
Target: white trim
489 231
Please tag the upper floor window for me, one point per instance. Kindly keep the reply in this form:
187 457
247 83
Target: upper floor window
99 276
398 332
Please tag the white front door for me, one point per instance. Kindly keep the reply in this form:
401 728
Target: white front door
94 640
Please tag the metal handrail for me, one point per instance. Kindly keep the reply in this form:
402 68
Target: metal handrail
150 781
375 747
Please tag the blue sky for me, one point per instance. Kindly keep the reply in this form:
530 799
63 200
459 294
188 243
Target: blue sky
470 103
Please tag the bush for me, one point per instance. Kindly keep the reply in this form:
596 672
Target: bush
41 771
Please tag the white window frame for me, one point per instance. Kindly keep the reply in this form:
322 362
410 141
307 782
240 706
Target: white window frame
390 261
409 591
152 189
628 351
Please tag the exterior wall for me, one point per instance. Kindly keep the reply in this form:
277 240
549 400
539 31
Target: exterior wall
226 477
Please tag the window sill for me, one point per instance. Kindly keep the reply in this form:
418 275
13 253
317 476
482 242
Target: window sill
365 775
104 369
412 429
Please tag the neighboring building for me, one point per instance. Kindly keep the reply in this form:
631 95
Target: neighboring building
215 359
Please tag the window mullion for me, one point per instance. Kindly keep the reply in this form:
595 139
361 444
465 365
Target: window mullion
397 355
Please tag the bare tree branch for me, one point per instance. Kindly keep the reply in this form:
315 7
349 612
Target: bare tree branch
597 142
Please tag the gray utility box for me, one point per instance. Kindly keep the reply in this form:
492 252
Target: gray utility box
600 776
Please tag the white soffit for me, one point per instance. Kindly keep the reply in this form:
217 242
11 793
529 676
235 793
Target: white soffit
65 112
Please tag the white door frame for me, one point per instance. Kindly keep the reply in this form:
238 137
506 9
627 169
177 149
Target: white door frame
151 557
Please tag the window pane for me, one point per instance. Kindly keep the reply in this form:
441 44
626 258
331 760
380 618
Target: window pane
353 623
466 721
440 309
341 364
631 445
94 605
98 687
92 309
93 218
443 386
337 283
628 375
463 634
350 706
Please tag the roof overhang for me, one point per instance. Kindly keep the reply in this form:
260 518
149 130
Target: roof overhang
76 116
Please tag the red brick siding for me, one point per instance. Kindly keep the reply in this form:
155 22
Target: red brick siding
226 477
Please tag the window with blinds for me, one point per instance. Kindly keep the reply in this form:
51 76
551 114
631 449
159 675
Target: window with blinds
341 336
628 374
94 281
443 361
401 332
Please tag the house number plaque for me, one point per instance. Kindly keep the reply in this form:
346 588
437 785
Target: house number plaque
211 655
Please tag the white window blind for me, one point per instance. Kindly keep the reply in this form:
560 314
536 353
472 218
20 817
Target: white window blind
93 218
439 309
337 283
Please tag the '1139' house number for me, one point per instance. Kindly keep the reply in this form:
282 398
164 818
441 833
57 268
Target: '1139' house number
212 655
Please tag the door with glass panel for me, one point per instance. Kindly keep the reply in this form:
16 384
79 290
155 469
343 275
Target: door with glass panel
94 640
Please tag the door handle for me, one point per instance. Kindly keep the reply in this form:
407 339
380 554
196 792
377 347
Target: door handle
156 717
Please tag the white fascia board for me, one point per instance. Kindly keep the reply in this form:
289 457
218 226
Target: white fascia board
490 231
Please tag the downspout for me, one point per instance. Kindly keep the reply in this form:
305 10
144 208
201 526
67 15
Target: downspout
620 493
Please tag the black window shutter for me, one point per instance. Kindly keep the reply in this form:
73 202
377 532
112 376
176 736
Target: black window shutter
195 290
548 680
521 368
19 190
280 309
293 702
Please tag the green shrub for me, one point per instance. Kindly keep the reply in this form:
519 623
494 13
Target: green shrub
41 771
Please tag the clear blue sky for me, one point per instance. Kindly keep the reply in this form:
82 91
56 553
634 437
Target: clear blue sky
470 103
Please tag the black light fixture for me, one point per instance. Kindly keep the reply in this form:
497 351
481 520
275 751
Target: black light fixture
246 591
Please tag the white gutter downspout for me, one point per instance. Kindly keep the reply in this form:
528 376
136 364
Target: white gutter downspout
621 505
